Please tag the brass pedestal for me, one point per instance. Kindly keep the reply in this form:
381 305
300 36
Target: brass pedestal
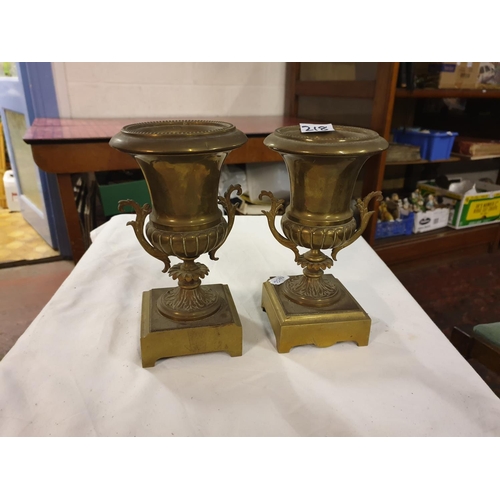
296 324
163 338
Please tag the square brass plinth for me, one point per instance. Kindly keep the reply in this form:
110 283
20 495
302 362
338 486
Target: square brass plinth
294 324
164 338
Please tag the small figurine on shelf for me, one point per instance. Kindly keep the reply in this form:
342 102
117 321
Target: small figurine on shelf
405 207
430 203
383 212
417 201
393 205
414 200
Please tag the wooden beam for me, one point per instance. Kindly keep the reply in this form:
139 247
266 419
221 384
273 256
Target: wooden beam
383 100
383 106
71 217
291 97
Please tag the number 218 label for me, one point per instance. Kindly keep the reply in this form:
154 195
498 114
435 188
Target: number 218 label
315 127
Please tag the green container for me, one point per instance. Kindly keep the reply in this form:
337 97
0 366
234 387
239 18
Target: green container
111 194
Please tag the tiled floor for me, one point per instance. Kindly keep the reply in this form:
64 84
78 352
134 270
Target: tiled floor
24 291
19 241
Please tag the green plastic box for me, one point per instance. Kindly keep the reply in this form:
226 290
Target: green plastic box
111 194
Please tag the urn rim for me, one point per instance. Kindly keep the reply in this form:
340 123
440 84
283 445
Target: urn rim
164 137
343 141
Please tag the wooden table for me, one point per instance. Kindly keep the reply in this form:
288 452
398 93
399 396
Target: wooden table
76 371
66 146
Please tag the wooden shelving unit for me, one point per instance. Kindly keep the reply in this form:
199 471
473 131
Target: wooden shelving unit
383 93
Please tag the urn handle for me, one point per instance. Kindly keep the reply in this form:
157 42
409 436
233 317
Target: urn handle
271 217
365 217
138 226
225 201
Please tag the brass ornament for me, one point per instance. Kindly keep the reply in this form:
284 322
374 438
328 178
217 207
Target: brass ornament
181 162
323 168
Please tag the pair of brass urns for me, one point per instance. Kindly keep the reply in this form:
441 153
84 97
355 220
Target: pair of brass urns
181 162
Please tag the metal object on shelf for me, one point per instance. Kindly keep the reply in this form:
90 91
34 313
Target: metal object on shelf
401 153
315 308
181 162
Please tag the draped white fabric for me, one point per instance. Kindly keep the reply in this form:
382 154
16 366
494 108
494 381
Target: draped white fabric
76 371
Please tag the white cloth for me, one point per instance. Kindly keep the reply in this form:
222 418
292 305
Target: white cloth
76 371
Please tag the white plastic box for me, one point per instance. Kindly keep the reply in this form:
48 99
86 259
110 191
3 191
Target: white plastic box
430 220
11 193
267 177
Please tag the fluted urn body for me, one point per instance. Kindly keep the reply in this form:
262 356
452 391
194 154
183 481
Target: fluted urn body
181 162
323 169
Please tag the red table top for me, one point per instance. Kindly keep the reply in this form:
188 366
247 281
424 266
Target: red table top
68 130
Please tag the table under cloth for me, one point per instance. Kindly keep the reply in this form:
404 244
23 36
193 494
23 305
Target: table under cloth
76 371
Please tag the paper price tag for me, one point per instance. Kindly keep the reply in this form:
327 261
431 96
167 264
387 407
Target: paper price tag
278 280
307 128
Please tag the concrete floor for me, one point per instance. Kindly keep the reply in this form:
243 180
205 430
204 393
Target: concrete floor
24 291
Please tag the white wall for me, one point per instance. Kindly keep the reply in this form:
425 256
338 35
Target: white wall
168 90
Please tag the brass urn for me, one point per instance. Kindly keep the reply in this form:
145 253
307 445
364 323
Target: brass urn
181 162
315 308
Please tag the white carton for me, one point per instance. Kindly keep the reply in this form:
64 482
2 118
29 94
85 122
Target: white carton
430 220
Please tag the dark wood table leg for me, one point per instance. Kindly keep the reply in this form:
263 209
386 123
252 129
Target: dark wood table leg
73 224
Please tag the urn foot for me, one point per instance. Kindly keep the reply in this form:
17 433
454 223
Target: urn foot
181 304
318 292
296 324
162 337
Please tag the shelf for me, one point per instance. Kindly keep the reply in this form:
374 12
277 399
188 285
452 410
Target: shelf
417 246
452 158
475 158
443 93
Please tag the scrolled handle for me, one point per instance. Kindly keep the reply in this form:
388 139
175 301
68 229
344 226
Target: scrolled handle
138 226
271 217
365 217
225 201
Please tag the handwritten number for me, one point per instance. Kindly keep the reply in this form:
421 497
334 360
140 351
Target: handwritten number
305 128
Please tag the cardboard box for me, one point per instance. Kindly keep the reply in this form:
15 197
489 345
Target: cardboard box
430 220
399 153
488 76
453 75
470 208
